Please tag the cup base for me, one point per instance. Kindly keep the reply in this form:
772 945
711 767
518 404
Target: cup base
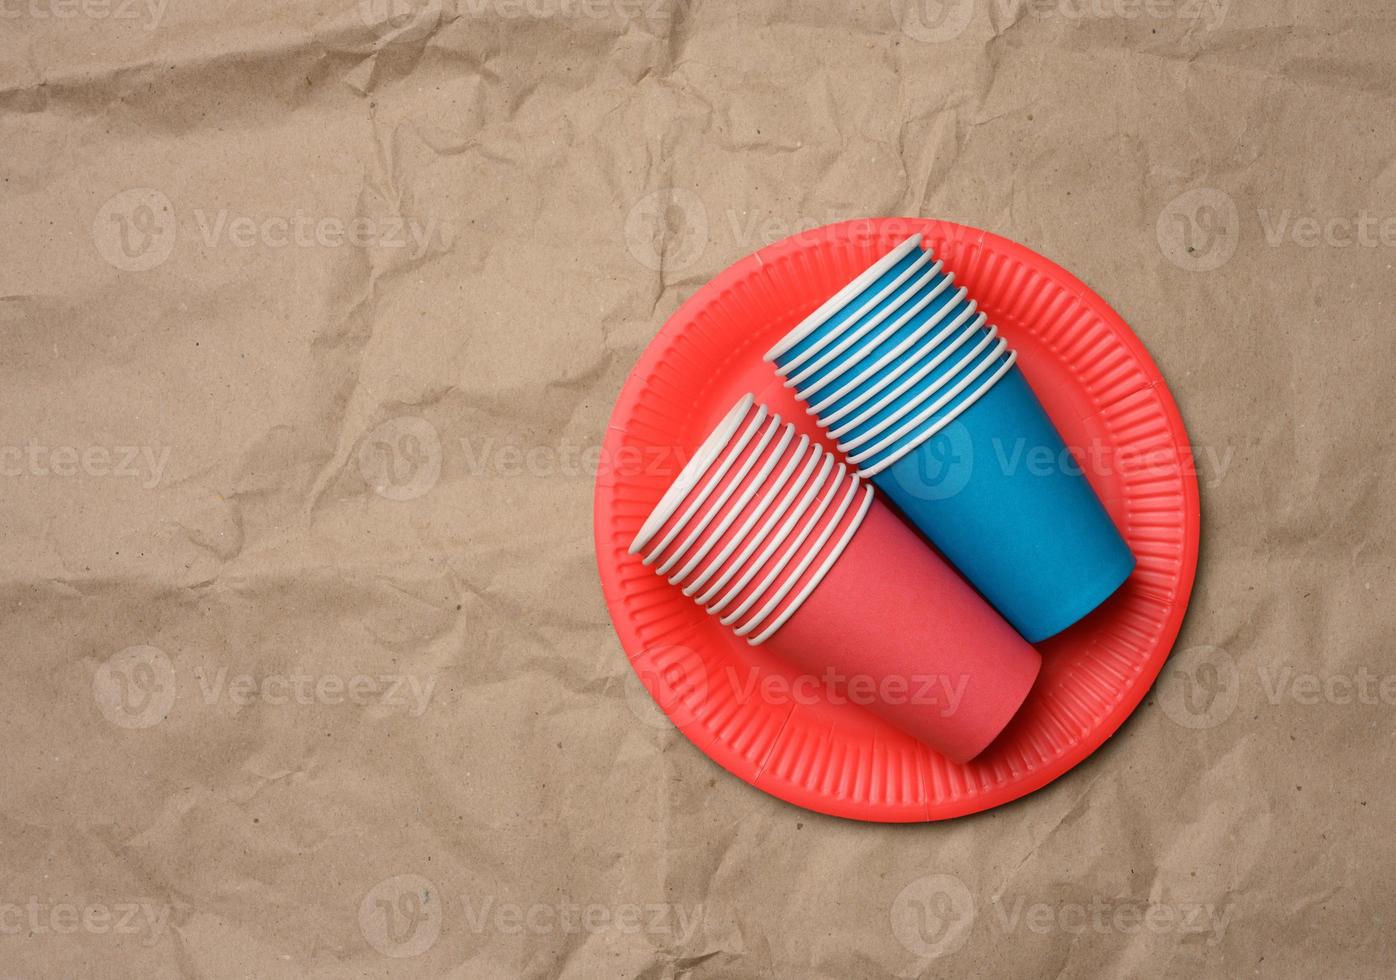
1031 536
1090 598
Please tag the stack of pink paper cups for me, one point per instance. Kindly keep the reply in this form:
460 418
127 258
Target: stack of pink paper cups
775 536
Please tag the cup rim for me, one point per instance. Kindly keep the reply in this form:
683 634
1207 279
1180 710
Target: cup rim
863 320
920 384
712 479
901 309
841 298
806 552
892 365
923 435
821 572
802 525
777 530
771 493
692 472
698 531
946 402
862 362
758 481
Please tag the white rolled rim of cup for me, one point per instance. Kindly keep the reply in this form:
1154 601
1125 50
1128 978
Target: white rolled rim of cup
750 567
754 541
806 528
917 376
737 509
821 572
740 537
811 552
842 298
861 323
930 431
977 357
863 355
947 398
781 534
916 339
715 507
692 472
841 364
714 481
866 304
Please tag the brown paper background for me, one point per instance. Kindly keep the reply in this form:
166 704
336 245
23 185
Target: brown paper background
583 167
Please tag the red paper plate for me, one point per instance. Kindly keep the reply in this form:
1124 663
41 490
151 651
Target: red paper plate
806 743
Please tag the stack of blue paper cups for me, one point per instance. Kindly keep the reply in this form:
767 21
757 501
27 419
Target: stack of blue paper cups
923 397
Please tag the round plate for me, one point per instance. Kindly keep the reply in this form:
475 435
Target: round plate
800 742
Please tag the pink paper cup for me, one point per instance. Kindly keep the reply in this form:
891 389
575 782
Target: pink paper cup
785 545
914 643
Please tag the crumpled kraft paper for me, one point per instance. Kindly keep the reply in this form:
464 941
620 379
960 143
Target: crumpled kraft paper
313 317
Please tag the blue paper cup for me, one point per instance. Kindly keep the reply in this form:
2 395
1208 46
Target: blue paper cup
925 399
